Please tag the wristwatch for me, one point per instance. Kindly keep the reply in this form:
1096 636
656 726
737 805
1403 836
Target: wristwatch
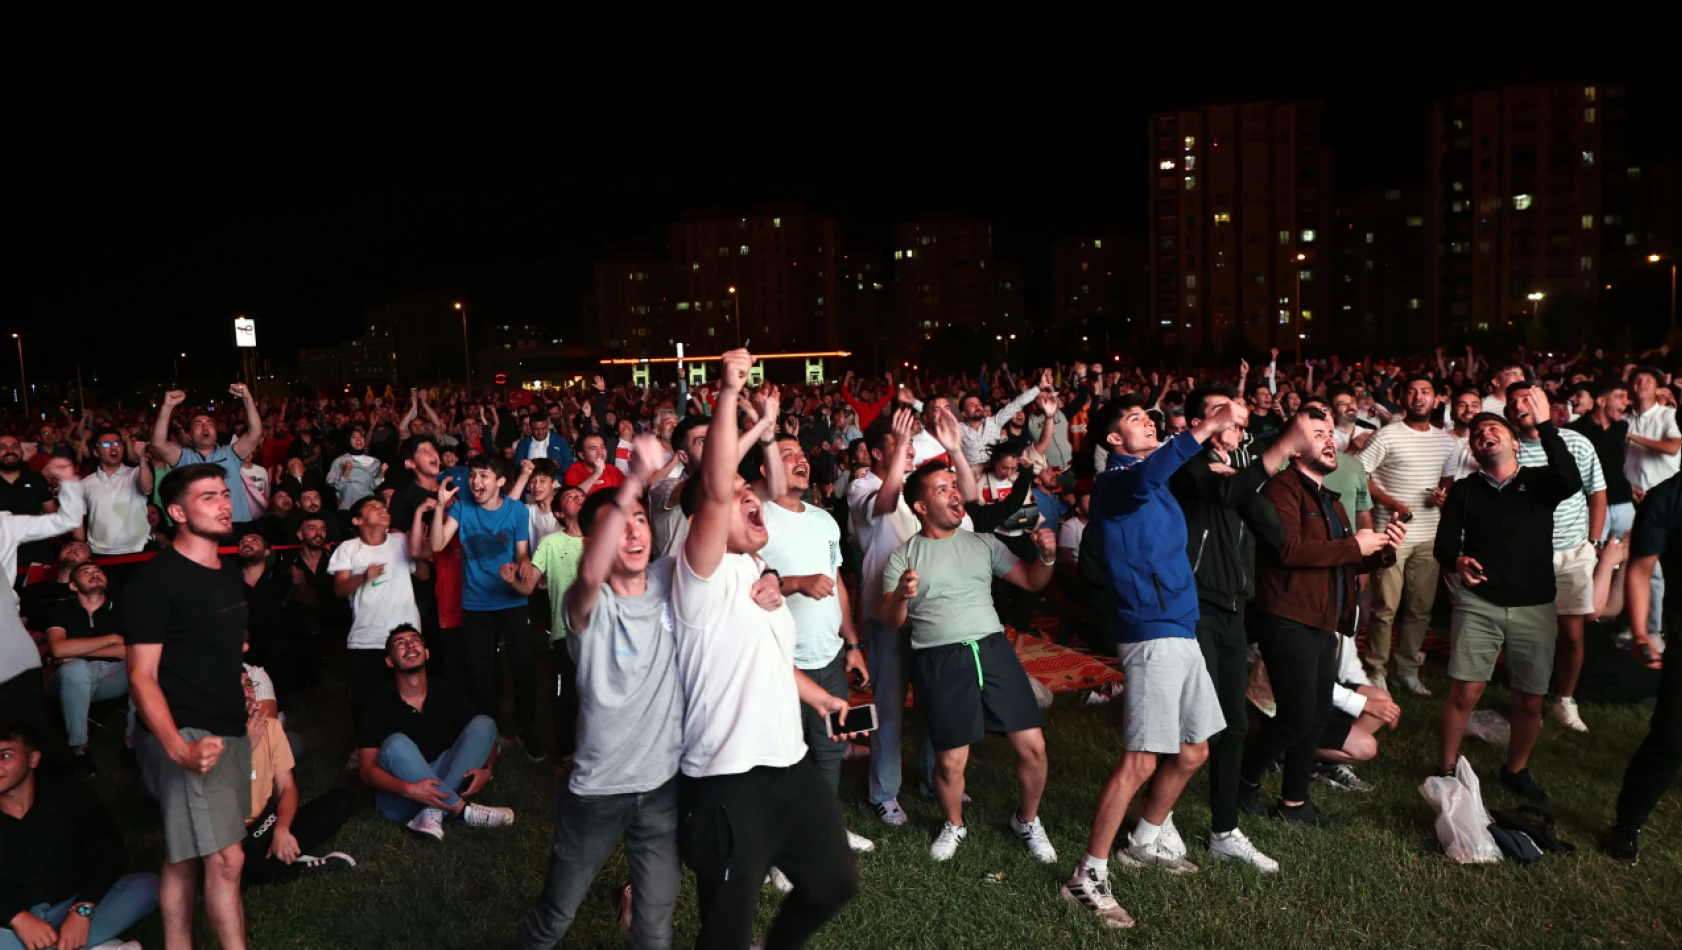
83 909
850 647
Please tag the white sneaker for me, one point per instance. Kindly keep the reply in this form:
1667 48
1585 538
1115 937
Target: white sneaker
1135 855
1235 847
487 816
1413 685
1093 893
118 945
1095 698
1034 839
860 843
1564 711
780 881
890 812
1169 838
332 861
946 843
429 822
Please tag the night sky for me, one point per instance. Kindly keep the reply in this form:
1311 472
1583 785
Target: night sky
164 177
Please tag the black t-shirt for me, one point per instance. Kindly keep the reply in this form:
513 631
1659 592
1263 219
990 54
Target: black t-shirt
40 602
199 615
432 729
404 502
1609 445
1658 532
78 623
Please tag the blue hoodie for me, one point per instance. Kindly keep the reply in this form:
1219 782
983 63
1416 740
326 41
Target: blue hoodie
1142 543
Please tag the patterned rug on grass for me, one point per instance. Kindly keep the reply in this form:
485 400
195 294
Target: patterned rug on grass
1059 668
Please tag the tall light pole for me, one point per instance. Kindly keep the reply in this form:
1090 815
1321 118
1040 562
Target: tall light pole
1654 259
1535 297
23 376
1301 346
177 361
736 305
466 354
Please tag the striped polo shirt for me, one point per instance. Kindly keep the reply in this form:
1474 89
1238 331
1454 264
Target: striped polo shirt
1571 518
1407 464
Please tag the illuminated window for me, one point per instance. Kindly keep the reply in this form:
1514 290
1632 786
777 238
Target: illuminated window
1305 275
1522 202
1307 315
1191 280
1191 140
1222 217
1587 263
1588 158
1413 303
1588 93
1459 206
744 251
1369 237
710 331
1588 114
1191 182
1588 222
1165 164
683 305
910 253
1083 265
723 252
899 255
1191 162
695 266
1459 186
1096 244
776 222
1416 222
1308 235
1284 237
1629 240
1191 300
1459 247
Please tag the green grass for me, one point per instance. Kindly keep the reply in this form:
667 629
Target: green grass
1381 882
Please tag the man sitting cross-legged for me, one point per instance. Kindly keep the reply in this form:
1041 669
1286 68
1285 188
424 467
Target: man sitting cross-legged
968 679
279 832
420 741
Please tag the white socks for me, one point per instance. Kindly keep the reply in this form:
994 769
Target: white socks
1146 833
1099 866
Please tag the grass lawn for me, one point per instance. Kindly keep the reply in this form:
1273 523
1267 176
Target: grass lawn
1381 882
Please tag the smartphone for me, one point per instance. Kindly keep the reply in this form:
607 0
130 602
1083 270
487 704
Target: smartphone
1405 517
858 719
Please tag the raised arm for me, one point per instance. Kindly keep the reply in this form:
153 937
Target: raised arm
246 444
709 530
950 437
767 401
1048 405
887 498
166 450
1022 401
603 547
443 526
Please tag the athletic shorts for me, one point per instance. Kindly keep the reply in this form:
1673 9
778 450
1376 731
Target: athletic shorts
1574 580
1336 732
1482 629
1170 699
203 814
969 689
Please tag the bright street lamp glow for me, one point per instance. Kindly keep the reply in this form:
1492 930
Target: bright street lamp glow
1538 295
1652 258
458 306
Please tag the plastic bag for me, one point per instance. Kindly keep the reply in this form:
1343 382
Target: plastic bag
1462 823
1488 725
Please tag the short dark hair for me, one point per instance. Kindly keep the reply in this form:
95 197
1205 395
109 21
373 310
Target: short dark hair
1653 371
1339 389
1007 448
917 483
1466 391
686 425
1484 417
175 484
1609 387
545 466
362 503
22 733
488 463
593 507
877 435
1197 400
400 629
592 435
414 442
1513 389
100 432
1412 378
1122 405
1315 411
320 516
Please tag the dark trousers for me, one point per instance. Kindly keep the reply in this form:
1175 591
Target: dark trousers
587 830
1302 666
1659 757
365 673
735 828
1220 634
563 706
480 632
312 824
826 752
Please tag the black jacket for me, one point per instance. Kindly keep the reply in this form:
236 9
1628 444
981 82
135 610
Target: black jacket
1224 516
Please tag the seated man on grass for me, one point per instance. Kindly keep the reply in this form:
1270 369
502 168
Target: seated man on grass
279 832
85 633
421 742
62 884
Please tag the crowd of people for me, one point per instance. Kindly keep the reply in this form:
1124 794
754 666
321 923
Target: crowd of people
716 570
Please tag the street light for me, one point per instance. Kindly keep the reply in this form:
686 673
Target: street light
23 377
1535 297
1654 259
466 354
1298 298
736 305
177 361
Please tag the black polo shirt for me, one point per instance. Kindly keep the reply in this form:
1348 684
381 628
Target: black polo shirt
26 496
1609 445
433 729
1658 532
78 623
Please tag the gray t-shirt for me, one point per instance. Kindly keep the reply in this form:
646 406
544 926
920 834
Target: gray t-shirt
954 601
630 700
668 527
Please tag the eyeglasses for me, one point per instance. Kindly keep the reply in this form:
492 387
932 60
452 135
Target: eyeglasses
110 444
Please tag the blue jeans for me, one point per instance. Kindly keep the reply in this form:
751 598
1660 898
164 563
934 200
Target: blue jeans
400 757
890 665
133 896
79 684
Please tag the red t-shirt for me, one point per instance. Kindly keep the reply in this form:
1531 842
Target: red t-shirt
580 472
275 448
446 571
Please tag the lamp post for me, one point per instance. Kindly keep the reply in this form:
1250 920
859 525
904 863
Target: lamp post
1298 298
1535 297
1654 259
177 361
736 305
23 377
466 354
1006 340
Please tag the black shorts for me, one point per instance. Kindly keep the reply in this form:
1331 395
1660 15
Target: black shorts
957 707
1336 732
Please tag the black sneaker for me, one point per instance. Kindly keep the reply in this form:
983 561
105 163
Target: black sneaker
1250 800
81 763
1306 814
1520 783
1623 844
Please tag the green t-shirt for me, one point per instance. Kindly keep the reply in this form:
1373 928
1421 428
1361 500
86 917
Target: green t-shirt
1350 483
954 601
558 557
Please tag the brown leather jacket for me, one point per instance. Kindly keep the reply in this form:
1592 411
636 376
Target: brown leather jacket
1297 579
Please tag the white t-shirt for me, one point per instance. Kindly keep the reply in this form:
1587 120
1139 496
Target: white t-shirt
1069 534
542 525
926 447
878 537
803 543
1495 404
1644 467
384 602
736 661
1459 462
538 450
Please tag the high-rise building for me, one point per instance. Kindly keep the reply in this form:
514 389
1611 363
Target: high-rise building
767 277
632 314
1241 195
942 277
865 316
1518 206
1098 289
1380 275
